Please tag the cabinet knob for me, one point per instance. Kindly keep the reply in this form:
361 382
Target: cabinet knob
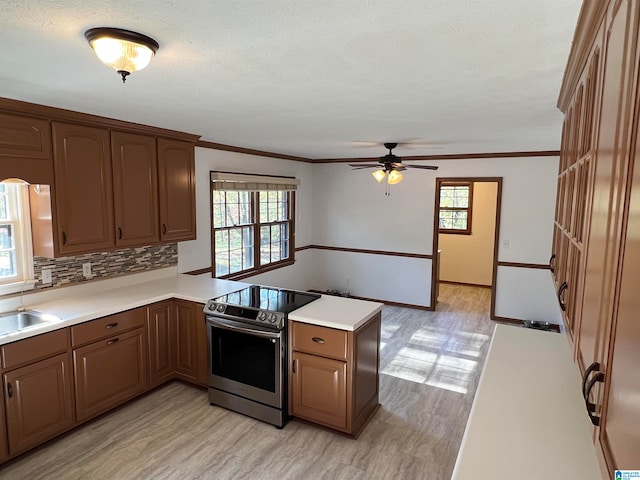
295 363
164 228
64 238
119 233
9 390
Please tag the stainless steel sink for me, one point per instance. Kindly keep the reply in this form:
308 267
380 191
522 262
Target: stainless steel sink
17 321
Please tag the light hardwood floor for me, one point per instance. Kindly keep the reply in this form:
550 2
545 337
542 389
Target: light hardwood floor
430 365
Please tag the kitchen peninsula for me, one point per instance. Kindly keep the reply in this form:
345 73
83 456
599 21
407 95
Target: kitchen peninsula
119 338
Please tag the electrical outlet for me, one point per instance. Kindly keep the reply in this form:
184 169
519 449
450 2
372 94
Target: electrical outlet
86 270
46 276
505 244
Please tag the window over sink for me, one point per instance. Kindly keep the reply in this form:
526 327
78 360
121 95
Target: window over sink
253 223
16 254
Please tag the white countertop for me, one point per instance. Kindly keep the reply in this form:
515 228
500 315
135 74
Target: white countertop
528 419
80 306
77 304
337 312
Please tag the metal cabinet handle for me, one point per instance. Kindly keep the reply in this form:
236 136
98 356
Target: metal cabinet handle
111 325
318 340
595 366
551 265
9 390
164 228
591 407
295 362
113 340
561 290
64 238
119 233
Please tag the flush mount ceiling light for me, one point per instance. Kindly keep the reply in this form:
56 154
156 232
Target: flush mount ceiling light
123 50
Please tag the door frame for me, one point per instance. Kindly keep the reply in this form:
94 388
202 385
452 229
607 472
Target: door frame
496 239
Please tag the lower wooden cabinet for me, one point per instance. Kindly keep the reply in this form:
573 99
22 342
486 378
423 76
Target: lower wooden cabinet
4 448
319 390
177 343
334 376
161 341
39 402
109 372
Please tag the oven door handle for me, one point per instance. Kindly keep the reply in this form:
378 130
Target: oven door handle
243 329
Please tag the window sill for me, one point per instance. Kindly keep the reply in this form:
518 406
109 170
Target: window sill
253 273
17 287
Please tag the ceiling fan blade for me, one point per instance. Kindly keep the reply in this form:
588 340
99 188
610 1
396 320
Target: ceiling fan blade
361 166
423 167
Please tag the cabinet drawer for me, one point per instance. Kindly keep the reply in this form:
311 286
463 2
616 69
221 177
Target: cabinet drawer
33 349
324 341
106 327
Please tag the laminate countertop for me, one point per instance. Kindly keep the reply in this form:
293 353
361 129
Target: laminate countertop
528 420
77 304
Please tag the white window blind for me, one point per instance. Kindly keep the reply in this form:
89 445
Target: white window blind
251 183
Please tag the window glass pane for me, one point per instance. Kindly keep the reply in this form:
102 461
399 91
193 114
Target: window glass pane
7 264
222 240
222 264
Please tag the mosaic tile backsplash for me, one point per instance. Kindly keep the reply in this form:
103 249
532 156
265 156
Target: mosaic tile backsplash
68 270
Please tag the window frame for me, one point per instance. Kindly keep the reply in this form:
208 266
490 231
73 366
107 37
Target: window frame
20 222
256 224
468 209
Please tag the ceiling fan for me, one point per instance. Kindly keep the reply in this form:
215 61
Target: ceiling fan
389 166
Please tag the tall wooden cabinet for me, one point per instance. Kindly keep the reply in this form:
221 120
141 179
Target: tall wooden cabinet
596 229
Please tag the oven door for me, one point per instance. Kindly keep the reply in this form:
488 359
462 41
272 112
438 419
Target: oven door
246 360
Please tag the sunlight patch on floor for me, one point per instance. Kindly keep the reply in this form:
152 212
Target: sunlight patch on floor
436 357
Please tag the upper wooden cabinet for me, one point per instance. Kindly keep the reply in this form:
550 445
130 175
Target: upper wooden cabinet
135 187
176 169
83 192
25 149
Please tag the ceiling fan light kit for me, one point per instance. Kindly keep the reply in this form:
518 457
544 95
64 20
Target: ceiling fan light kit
390 166
123 50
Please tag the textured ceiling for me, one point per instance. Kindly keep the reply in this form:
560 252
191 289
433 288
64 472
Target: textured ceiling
311 78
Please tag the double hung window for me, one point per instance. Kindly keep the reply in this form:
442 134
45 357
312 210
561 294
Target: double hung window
456 201
16 257
252 223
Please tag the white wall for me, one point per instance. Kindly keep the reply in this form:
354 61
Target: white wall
469 258
341 207
351 210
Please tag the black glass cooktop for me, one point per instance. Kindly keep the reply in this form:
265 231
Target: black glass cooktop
267 299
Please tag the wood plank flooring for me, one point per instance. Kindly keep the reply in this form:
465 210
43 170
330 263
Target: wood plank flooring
430 366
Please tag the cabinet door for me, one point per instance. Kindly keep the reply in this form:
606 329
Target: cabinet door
25 148
39 402
319 390
83 189
135 189
186 340
161 350
4 449
109 372
176 170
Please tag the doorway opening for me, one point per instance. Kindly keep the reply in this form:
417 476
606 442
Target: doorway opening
466 233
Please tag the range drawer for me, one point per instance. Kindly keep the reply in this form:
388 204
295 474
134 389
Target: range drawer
106 327
36 348
324 341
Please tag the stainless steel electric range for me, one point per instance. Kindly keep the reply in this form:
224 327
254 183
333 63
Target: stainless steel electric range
247 343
